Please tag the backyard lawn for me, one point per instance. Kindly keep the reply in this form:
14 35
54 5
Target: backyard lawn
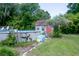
68 45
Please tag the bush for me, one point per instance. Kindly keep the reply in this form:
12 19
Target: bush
6 51
70 29
10 41
57 32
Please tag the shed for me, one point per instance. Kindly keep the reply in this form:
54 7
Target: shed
40 26
43 27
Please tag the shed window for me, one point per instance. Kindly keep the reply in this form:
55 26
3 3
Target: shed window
43 29
37 28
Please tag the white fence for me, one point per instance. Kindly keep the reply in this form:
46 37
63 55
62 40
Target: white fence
3 36
21 36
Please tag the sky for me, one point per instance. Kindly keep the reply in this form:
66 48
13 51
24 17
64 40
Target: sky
54 8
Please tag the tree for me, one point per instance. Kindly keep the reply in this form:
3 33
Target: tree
73 16
57 22
73 8
26 16
21 16
30 13
41 14
73 27
6 12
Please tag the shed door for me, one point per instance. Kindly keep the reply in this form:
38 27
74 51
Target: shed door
48 29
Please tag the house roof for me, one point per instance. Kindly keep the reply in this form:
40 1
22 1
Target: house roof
41 23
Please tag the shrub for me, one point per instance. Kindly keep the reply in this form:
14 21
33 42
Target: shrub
6 51
10 41
57 32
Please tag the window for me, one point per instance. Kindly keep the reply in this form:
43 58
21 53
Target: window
37 28
43 29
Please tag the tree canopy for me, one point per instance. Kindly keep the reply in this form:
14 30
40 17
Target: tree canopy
70 19
21 16
7 11
72 15
73 8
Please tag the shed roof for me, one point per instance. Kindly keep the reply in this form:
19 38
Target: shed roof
41 23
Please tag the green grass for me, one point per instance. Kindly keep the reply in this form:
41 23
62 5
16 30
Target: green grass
68 45
23 44
8 51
